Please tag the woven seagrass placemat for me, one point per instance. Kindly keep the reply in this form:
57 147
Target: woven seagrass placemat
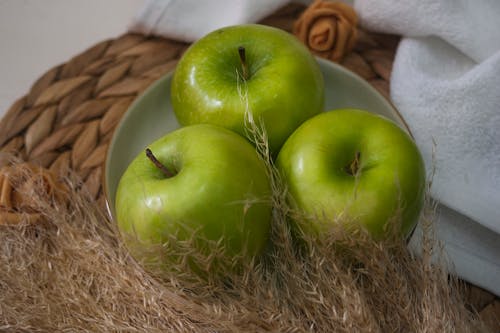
68 117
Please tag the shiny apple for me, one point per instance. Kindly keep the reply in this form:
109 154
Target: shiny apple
246 70
353 167
200 181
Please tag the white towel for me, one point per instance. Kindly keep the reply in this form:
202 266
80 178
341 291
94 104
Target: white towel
189 20
446 84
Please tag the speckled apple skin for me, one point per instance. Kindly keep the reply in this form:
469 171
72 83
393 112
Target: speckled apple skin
285 85
390 181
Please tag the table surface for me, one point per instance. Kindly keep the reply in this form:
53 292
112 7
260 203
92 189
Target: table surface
38 35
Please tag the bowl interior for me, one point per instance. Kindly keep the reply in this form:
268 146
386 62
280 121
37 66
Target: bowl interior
151 116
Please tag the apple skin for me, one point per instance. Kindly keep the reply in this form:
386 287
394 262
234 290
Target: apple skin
315 160
285 85
220 190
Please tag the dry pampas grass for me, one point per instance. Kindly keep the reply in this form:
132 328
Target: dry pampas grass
71 273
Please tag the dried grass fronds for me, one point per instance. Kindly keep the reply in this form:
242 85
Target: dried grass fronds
73 273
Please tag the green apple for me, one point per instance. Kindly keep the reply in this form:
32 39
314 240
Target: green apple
353 166
200 180
260 69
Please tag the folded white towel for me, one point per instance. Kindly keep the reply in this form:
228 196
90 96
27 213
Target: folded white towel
188 20
472 27
446 84
453 106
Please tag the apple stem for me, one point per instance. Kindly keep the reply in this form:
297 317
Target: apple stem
158 164
353 168
243 61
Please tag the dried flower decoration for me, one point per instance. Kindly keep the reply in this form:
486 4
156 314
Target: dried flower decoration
22 188
328 29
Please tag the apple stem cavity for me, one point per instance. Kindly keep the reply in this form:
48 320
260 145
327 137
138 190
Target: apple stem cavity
243 61
158 164
353 168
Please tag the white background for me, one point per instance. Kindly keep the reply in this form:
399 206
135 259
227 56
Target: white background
36 35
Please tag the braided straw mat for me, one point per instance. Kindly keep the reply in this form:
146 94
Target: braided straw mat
68 117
